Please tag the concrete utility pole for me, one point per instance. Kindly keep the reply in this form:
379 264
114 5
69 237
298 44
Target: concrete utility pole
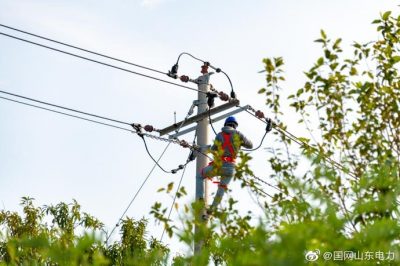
203 83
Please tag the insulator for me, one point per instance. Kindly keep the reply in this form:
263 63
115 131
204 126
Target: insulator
260 114
184 78
204 69
223 96
149 128
184 144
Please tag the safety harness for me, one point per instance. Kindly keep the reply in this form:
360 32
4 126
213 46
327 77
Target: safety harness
226 144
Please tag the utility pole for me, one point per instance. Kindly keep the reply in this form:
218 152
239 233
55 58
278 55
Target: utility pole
202 128
203 83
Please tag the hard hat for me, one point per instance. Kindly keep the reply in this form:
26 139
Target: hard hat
231 120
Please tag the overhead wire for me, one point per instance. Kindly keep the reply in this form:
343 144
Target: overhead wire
70 115
156 163
302 143
137 193
261 142
233 94
266 183
190 112
99 62
65 108
175 141
177 189
185 53
82 49
257 189
270 185
210 121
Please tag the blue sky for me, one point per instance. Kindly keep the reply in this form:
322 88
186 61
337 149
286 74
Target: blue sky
54 158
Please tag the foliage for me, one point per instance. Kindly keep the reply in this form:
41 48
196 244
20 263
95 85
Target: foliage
49 235
345 198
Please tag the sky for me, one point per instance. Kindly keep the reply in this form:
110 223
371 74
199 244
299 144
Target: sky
53 158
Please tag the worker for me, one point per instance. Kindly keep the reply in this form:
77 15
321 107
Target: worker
230 141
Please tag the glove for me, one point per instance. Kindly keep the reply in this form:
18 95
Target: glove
268 128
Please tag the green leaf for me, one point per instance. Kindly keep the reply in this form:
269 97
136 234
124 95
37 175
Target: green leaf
170 187
353 71
302 139
337 43
323 34
278 61
396 59
300 91
386 15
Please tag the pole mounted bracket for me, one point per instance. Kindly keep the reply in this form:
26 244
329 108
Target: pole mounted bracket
199 117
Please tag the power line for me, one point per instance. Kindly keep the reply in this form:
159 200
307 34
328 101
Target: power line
261 142
174 70
266 183
137 192
175 141
302 143
180 167
210 121
99 62
257 189
65 108
62 113
175 196
179 185
192 56
156 163
82 49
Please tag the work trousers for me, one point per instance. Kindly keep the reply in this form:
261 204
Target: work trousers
225 172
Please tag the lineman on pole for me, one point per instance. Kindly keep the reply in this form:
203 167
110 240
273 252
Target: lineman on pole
226 145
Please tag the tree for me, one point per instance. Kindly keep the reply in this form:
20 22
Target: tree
30 239
346 204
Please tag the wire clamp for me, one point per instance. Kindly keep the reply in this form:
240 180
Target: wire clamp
173 73
211 98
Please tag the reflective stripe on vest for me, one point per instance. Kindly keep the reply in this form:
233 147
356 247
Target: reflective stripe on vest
227 143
